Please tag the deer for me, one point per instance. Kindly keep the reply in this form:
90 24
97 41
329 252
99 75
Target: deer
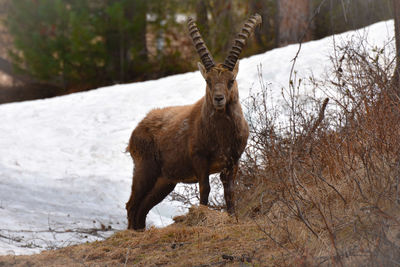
186 144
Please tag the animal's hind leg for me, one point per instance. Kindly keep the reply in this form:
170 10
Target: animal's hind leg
144 178
160 190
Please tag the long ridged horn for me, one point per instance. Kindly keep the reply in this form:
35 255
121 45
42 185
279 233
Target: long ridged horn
240 41
202 50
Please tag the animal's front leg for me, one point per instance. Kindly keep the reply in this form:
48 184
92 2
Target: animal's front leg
227 177
204 185
201 168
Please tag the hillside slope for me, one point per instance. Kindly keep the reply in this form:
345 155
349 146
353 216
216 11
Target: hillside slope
64 176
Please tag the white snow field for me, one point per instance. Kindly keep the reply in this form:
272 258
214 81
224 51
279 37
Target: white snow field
64 176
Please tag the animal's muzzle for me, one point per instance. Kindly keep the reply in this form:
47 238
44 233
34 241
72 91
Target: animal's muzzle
219 101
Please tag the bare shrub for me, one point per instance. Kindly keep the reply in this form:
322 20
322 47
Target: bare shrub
324 185
189 194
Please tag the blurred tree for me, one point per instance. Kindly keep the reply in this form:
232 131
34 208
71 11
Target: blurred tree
86 44
168 38
224 27
294 18
79 43
217 21
5 65
202 17
284 22
267 35
54 40
123 27
396 74
337 16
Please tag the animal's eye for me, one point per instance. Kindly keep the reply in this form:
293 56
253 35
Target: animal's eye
230 83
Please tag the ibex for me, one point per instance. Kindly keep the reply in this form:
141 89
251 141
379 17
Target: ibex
188 143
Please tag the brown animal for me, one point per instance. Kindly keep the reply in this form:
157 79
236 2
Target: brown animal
188 143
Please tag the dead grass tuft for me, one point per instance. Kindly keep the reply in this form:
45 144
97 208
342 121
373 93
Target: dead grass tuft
203 216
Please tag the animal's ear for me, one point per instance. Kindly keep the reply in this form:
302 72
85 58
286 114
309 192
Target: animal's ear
236 69
202 70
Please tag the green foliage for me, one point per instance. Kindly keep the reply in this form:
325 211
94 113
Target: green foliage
70 41
54 39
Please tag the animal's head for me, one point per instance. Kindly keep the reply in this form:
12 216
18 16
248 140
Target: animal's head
221 78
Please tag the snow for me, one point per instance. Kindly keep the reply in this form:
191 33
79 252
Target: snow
64 176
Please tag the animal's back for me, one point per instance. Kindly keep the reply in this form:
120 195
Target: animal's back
160 126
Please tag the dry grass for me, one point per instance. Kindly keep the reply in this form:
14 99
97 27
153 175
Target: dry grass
203 237
329 186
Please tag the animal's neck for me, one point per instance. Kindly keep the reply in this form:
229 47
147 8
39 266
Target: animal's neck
220 129
219 118
209 112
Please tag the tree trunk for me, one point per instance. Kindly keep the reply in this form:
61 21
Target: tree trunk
266 36
396 75
139 16
223 30
133 43
126 42
294 16
202 18
277 23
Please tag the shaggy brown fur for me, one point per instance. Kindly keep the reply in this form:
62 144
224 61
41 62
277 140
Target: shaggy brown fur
187 144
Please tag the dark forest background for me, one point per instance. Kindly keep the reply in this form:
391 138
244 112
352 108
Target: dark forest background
55 47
